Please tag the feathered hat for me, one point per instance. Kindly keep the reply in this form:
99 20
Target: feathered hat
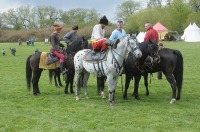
57 27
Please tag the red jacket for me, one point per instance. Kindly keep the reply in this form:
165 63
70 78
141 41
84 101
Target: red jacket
152 35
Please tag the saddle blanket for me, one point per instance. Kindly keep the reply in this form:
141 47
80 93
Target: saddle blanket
43 62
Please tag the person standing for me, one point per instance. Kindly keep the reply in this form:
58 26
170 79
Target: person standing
119 32
99 42
3 52
71 36
151 34
19 41
55 46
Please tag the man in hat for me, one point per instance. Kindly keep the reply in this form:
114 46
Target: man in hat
55 46
71 36
99 43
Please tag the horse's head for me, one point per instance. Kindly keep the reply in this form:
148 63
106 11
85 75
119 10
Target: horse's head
84 42
153 52
133 47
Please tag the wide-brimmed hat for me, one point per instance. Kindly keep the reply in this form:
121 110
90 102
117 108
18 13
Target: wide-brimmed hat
75 27
57 27
103 20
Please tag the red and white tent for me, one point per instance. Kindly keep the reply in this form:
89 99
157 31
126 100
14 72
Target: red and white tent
162 30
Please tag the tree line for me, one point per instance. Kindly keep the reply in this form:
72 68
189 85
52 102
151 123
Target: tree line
173 14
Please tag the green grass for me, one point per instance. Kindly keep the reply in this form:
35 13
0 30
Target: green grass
55 111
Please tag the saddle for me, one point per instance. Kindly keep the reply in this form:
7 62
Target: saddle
95 57
51 58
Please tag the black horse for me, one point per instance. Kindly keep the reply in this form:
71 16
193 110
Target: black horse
32 67
147 49
171 65
72 50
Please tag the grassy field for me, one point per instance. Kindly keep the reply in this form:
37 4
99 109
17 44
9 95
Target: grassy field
55 111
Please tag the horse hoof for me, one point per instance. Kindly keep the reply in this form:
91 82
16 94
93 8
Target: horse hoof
125 97
103 96
77 98
172 101
71 92
112 104
137 97
66 93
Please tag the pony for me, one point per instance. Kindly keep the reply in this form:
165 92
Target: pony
72 50
171 64
110 65
33 72
149 48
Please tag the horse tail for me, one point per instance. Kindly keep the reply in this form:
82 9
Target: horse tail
178 72
28 73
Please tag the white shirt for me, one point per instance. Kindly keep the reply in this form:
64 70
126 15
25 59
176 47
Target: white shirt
98 32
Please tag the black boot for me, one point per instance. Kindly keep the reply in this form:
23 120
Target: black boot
112 43
62 68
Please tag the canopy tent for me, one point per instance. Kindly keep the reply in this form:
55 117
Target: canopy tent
162 31
191 33
140 37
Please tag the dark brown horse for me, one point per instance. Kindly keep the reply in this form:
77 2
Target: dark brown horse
71 50
147 49
171 65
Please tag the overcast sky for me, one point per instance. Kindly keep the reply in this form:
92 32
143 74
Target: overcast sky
104 7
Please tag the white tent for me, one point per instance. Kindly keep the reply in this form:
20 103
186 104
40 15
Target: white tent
140 37
191 33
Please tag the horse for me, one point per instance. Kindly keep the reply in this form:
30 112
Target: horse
171 65
79 44
73 49
110 65
149 48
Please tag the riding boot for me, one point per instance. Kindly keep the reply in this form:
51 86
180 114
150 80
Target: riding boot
112 43
62 68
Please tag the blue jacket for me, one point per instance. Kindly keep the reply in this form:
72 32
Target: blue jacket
117 34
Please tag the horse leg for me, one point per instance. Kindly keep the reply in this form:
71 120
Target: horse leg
85 79
102 86
55 80
58 76
35 81
128 79
67 83
146 83
71 83
98 85
112 82
77 77
136 85
172 82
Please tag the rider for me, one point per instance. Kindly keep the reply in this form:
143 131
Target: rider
99 43
71 36
55 46
151 34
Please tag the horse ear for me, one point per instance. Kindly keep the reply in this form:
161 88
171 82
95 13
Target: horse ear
83 38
